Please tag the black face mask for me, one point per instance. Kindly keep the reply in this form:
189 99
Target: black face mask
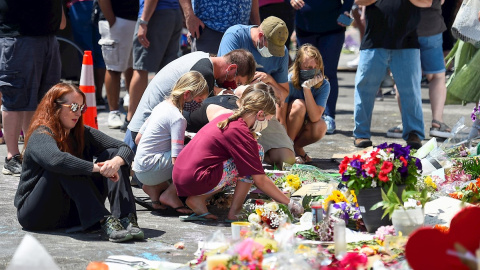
307 74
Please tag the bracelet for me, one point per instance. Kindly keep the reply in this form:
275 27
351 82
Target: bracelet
140 21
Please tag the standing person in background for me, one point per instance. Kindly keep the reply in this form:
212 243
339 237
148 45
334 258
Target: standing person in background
429 32
116 26
390 41
155 44
316 22
83 15
26 29
207 20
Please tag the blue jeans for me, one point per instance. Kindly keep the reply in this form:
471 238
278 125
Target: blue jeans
330 47
405 67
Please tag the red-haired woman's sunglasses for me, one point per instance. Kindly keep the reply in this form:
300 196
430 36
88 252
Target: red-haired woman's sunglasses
74 107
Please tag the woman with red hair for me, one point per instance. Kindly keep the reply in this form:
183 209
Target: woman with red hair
60 185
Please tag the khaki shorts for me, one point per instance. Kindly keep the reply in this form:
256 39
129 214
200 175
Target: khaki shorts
117 43
275 136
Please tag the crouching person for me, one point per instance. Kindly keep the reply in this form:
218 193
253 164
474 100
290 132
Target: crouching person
60 185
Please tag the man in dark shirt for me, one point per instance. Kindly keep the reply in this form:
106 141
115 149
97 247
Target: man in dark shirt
30 65
390 41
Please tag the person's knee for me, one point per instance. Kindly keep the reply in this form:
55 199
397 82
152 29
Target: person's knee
298 107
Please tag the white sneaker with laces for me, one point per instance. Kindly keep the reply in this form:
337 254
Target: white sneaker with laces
115 120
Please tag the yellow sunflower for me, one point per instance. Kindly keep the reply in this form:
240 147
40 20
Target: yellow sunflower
293 181
338 196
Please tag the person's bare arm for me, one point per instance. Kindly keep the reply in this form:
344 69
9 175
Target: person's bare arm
63 22
107 10
192 21
365 2
422 3
255 13
314 111
147 13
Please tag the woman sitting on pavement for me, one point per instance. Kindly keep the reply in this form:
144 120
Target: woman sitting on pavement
161 139
306 101
60 185
225 152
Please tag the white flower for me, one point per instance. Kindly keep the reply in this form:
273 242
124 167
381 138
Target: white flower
272 206
374 184
254 218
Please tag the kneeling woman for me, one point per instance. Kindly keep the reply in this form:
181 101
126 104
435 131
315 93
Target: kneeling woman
60 185
308 96
224 151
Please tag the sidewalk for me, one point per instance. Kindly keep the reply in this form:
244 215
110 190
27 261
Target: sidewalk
75 251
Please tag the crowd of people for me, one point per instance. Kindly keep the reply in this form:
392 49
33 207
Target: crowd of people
247 101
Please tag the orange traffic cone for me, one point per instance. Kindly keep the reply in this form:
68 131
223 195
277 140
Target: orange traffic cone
87 85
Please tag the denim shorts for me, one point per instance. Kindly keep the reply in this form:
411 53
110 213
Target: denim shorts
25 74
117 43
431 54
161 171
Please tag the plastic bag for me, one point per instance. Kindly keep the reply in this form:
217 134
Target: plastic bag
313 174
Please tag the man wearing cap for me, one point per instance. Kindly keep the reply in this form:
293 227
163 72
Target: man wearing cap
267 44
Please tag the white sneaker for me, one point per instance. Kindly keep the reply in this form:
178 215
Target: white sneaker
126 101
115 120
353 63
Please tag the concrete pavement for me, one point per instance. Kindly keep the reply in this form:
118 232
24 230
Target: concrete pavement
75 251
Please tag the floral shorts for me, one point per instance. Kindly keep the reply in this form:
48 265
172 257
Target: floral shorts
230 173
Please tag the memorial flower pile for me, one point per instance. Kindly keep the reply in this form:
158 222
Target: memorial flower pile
289 183
385 165
267 214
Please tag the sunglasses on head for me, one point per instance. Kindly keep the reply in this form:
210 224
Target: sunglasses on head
74 107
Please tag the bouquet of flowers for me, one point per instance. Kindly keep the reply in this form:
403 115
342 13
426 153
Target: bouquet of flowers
289 183
385 165
468 192
267 214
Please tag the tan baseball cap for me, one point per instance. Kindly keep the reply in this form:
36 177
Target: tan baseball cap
276 32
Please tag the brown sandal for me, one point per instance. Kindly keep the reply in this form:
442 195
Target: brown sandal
443 131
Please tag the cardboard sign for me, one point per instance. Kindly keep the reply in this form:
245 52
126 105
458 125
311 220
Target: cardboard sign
316 189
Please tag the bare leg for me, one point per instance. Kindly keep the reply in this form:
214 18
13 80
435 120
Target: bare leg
112 87
437 92
154 193
128 73
277 156
295 117
137 88
13 123
241 191
99 77
169 197
311 133
198 204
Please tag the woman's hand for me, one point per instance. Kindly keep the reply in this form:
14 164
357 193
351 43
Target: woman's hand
312 82
297 4
109 168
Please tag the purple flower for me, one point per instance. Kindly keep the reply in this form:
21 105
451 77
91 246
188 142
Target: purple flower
345 177
382 146
356 164
418 163
399 151
403 171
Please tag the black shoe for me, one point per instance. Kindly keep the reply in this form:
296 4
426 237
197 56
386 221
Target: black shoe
131 225
114 231
362 143
13 166
123 128
414 141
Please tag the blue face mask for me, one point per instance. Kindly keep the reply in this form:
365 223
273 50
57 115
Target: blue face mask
307 74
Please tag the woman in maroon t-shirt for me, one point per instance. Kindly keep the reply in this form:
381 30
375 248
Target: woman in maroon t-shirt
225 151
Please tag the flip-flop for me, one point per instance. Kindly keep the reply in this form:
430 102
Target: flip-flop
195 217
144 201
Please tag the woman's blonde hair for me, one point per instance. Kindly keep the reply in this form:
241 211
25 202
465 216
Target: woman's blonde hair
192 81
306 51
254 99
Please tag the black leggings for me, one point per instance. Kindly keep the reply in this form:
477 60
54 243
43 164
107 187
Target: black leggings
60 201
